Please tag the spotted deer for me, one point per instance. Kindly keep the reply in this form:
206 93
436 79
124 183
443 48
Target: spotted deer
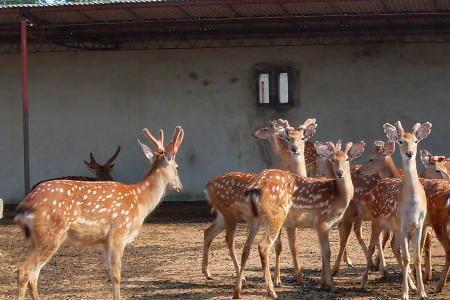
102 172
380 163
226 193
109 214
434 169
279 197
409 220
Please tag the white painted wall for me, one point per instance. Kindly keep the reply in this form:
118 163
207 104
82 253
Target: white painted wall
82 102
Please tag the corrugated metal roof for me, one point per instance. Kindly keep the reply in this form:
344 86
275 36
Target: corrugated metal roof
146 19
33 4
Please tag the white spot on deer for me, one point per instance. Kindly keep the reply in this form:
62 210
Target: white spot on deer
109 196
114 215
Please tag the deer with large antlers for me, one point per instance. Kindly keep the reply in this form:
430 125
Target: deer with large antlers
278 197
105 213
408 223
102 172
226 193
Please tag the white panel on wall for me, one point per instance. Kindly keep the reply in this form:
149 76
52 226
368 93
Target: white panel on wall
283 88
263 86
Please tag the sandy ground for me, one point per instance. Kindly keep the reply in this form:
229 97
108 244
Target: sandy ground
164 262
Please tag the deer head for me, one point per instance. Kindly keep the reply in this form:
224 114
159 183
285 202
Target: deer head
296 138
340 159
407 141
102 172
379 162
272 128
434 166
163 158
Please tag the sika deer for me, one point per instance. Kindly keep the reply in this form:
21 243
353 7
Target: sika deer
105 213
434 166
412 206
226 193
316 202
102 172
380 163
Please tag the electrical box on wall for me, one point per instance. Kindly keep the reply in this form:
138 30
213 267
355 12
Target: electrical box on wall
275 86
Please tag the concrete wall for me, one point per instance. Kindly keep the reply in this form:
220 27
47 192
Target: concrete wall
82 102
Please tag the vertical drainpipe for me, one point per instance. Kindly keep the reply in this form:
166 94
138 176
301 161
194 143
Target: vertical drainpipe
25 101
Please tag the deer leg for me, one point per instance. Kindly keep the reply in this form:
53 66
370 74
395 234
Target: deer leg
373 237
396 245
115 252
208 236
29 271
252 231
278 249
386 234
292 235
427 256
382 264
230 229
324 239
344 233
417 254
405 264
264 250
357 230
442 236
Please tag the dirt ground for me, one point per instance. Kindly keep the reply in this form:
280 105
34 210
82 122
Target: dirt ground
164 262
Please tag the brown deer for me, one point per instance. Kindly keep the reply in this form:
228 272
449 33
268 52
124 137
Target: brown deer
408 223
380 163
226 193
316 202
106 213
435 167
102 172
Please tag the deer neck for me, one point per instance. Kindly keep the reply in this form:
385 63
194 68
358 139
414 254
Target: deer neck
287 160
150 192
411 177
345 188
391 170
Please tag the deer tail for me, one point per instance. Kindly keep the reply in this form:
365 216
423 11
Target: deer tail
253 197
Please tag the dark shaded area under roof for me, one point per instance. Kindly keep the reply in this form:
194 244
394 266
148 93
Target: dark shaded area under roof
176 24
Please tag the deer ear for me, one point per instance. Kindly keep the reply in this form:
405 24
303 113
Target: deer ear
147 151
356 150
423 131
310 130
391 132
323 150
389 148
425 157
441 158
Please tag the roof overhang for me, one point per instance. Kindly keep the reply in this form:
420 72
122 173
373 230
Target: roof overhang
193 24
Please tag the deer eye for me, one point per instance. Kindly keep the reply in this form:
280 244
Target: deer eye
416 141
346 159
370 159
303 138
400 142
438 171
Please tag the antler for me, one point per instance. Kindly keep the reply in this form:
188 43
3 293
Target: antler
159 143
400 129
171 148
307 123
415 127
113 157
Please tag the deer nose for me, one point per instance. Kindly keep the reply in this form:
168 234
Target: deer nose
409 154
294 149
340 173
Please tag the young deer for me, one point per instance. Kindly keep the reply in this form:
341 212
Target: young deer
316 202
412 206
226 193
102 172
435 167
380 163
85 213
